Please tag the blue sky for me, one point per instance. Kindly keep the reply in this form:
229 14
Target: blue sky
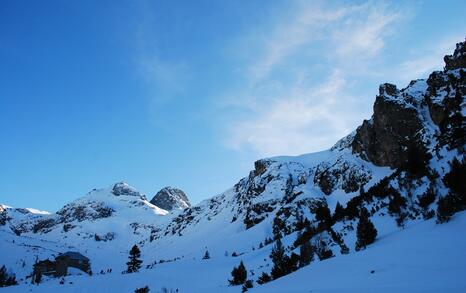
190 93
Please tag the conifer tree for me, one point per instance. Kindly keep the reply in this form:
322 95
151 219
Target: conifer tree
366 232
206 255
339 213
455 181
6 279
280 260
134 263
306 254
239 275
264 278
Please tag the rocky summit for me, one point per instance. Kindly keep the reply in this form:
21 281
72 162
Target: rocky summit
170 198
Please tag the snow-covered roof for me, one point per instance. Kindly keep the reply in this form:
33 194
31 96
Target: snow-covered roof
75 255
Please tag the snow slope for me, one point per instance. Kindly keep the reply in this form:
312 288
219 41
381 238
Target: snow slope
433 261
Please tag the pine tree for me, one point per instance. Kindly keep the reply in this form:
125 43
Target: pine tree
293 263
455 181
280 260
323 214
339 213
239 275
264 278
447 207
247 285
306 254
417 161
206 255
6 279
366 232
134 263
3 275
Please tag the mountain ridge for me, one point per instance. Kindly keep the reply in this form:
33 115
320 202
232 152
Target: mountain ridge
395 166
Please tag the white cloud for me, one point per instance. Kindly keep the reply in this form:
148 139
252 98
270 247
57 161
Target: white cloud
301 28
363 32
311 110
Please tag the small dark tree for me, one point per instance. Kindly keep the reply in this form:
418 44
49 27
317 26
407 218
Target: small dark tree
396 203
247 285
3 275
142 290
339 213
134 263
306 253
6 279
206 255
280 260
428 197
418 161
323 215
293 263
308 233
455 181
239 275
447 207
352 207
264 278
366 232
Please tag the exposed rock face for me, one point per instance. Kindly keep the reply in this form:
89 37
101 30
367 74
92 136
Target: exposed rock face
3 216
458 59
341 174
122 188
402 118
170 198
393 125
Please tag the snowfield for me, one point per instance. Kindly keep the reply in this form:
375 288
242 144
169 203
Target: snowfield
433 261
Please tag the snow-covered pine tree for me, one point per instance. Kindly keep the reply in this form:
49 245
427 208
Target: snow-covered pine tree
206 255
134 263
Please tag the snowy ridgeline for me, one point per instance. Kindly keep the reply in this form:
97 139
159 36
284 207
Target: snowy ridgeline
380 211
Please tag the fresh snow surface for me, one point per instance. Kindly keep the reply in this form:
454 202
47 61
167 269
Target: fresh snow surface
434 261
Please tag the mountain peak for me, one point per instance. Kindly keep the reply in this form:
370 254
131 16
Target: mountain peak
458 59
170 198
123 188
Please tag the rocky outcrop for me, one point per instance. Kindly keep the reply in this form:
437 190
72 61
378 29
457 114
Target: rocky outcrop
402 119
458 59
340 175
122 188
393 126
170 198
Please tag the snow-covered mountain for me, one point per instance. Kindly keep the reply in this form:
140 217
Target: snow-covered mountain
405 166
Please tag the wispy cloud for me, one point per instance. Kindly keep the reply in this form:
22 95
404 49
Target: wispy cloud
299 29
426 60
310 108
